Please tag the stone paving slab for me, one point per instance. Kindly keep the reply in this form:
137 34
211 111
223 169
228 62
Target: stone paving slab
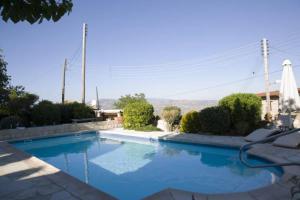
277 191
23 177
27 177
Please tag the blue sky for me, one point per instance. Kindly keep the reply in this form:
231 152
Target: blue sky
166 49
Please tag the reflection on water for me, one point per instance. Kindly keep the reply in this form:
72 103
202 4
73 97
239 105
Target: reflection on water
129 157
131 168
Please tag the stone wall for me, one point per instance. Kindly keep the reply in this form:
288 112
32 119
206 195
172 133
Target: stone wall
44 131
274 108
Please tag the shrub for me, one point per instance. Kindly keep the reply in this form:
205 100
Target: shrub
190 122
123 101
137 115
75 110
215 120
147 128
171 114
66 111
245 111
10 122
46 113
81 111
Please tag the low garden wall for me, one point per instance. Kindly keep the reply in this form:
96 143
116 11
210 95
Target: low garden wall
44 131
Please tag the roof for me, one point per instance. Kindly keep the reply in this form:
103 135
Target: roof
272 93
110 111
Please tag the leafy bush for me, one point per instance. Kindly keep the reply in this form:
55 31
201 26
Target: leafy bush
46 113
215 120
147 128
138 114
20 104
190 122
10 122
171 114
75 110
245 111
81 111
123 101
66 111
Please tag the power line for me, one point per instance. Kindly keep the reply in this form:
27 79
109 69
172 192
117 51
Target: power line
226 83
184 68
213 57
182 62
283 51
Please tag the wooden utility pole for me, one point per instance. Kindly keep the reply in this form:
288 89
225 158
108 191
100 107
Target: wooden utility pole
265 53
84 32
97 103
63 82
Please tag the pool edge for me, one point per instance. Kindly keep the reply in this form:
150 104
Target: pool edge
280 188
67 183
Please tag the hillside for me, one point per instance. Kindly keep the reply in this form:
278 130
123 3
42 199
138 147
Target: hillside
159 104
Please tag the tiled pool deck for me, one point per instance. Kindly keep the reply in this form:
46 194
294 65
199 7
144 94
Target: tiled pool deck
23 176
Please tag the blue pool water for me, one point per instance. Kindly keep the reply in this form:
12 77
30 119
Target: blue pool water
130 168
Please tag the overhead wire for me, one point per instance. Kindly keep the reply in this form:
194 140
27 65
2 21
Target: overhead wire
225 84
182 62
175 73
283 51
132 72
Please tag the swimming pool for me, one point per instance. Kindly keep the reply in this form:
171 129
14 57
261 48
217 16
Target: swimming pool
132 168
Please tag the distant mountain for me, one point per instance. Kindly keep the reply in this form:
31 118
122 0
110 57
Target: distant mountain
159 104
184 105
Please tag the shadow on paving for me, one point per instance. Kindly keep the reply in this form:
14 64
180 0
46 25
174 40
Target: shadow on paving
23 176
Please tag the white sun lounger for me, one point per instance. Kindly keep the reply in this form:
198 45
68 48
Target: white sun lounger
290 141
261 133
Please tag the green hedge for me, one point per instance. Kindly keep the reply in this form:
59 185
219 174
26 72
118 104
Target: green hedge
245 111
11 122
137 115
46 113
215 120
75 110
190 122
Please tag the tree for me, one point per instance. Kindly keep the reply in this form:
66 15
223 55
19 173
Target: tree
245 111
81 111
190 122
34 10
75 110
138 114
171 114
215 120
4 81
14 100
20 103
46 113
123 101
11 122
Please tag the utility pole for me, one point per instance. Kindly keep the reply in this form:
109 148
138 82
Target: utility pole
63 82
97 103
84 32
265 53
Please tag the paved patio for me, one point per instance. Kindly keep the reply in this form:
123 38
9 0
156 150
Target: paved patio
27 177
24 177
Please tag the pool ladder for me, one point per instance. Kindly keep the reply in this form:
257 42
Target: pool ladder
295 190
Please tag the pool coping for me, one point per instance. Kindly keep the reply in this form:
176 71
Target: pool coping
279 190
68 186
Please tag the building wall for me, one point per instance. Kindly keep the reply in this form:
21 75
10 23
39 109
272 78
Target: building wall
274 108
